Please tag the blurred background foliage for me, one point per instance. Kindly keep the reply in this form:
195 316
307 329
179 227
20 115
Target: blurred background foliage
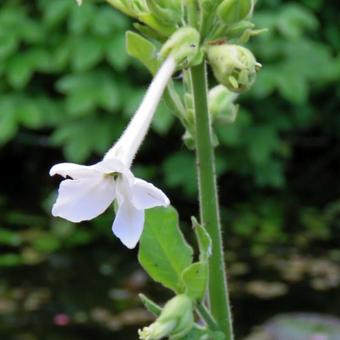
68 88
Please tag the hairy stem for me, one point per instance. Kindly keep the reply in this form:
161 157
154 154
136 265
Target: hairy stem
209 209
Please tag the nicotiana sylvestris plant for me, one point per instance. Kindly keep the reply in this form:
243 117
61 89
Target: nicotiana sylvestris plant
173 36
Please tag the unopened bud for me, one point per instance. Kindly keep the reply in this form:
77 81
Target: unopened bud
221 104
233 11
183 45
234 66
176 320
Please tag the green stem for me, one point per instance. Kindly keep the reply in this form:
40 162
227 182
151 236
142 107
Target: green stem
209 209
207 317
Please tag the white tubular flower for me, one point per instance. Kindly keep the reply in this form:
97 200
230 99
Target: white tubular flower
92 189
79 2
129 143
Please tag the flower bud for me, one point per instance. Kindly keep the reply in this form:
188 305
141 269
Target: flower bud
176 320
221 104
183 45
168 13
233 11
233 66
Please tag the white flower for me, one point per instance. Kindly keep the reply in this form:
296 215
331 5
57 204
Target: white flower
92 189
79 2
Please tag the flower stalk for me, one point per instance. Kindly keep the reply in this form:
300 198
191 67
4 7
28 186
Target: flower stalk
128 144
209 209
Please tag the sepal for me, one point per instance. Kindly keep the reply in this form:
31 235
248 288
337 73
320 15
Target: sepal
183 45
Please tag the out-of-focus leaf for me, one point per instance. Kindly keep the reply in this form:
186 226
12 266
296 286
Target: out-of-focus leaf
10 259
87 52
185 178
8 119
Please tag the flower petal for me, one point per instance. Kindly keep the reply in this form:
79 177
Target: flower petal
83 199
145 195
128 224
73 170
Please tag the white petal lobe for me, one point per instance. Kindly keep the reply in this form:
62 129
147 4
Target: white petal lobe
73 170
84 199
145 195
128 224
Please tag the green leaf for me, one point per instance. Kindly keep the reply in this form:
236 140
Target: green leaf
20 70
293 87
8 45
10 238
143 50
46 243
163 119
88 51
184 179
56 11
29 113
116 53
8 120
195 278
163 251
107 21
81 18
10 259
262 141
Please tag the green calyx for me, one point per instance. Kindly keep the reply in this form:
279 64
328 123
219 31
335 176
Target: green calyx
183 45
234 66
175 320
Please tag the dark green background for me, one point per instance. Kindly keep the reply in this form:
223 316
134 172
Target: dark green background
68 88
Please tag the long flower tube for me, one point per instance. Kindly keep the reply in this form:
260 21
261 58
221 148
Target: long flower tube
130 141
90 190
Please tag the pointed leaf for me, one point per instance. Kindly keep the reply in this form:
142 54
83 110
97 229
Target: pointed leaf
143 50
163 251
204 240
